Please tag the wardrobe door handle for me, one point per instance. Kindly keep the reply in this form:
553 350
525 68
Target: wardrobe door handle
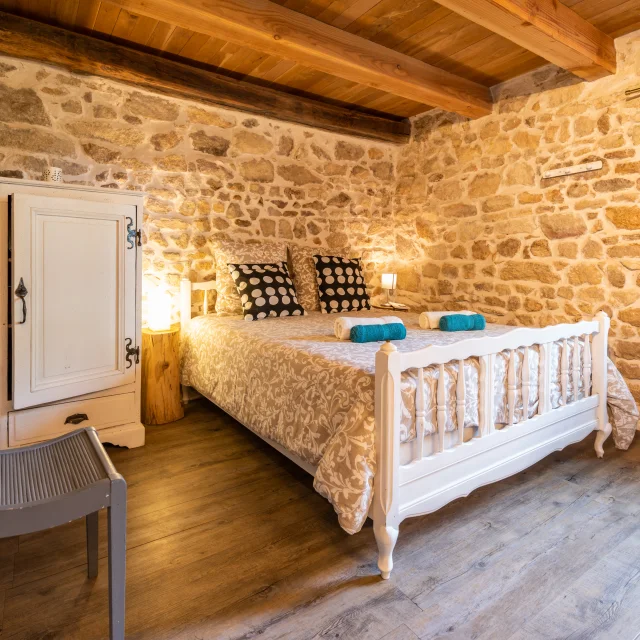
22 292
76 418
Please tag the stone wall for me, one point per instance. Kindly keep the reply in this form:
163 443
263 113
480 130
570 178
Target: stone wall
208 172
462 213
477 226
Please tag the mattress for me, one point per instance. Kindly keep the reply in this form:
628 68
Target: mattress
291 380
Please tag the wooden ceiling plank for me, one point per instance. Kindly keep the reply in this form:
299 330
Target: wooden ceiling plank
276 72
209 50
86 14
409 112
425 44
382 16
64 12
26 39
512 66
11 5
491 49
160 35
315 8
615 20
547 28
341 13
354 12
193 45
306 79
328 84
142 30
243 65
304 6
353 93
395 105
297 76
124 25
245 59
106 18
227 51
465 35
591 9
178 39
39 8
411 25
264 66
265 26
133 27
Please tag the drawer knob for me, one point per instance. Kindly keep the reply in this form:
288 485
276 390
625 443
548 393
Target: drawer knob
76 418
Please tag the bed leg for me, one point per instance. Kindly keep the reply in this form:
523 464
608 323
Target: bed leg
386 537
601 436
185 395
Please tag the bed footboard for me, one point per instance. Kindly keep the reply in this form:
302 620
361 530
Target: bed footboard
427 482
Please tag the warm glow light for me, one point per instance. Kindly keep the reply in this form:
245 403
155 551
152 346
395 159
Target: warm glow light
159 309
388 280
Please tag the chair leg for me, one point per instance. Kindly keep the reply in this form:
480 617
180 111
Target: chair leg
92 544
117 516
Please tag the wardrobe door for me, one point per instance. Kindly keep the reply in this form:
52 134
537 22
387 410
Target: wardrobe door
74 304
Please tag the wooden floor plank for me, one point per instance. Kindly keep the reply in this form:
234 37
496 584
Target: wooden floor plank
401 633
35 560
238 545
496 592
8 551
602 604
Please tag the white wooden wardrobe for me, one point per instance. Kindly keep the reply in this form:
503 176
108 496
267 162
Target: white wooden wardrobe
70 264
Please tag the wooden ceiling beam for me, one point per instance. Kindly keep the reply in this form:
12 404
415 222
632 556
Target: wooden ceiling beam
547 28
269 27
27 39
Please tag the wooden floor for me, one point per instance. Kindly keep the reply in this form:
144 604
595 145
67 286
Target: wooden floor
227 539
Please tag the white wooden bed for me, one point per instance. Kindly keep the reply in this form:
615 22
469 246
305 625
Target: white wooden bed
426 473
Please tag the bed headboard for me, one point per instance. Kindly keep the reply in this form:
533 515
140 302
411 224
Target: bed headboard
186 289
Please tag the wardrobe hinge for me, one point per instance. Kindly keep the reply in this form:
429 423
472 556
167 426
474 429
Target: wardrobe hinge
134 236
132 352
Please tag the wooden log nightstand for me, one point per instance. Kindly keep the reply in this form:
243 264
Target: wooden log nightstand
161 399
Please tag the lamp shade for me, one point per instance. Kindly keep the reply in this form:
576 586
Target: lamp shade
159 309
388 280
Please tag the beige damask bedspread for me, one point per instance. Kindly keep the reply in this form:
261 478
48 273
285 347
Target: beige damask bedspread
291 380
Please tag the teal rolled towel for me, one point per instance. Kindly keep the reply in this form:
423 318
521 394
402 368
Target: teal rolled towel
459 322
377 332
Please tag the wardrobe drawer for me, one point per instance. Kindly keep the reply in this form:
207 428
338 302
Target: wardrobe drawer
42 423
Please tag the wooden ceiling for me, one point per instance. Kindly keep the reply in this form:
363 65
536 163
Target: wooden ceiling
427 31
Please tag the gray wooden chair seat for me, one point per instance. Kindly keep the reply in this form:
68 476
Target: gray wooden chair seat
49 484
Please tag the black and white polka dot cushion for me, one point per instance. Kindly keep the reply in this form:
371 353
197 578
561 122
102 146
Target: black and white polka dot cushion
265 290
340 284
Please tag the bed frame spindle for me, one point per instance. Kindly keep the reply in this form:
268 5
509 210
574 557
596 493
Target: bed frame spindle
460 401
483 417
442 408
586 367
525 385
576 369
511 387
564 371
486 395
544 380
420 414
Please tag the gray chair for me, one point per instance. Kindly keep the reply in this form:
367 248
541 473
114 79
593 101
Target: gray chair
49 484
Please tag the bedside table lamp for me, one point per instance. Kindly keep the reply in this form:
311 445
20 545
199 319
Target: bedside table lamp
388 281
159 309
